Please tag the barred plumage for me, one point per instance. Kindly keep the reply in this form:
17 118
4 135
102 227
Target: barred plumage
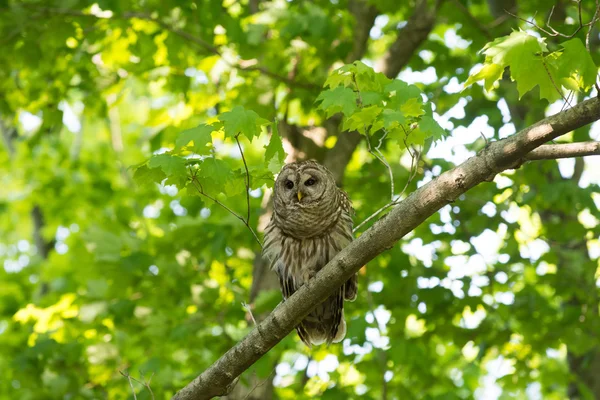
311 223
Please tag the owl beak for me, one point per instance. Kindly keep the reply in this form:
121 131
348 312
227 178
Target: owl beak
299 195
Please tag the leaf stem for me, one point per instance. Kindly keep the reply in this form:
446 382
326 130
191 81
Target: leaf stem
200 190
247 180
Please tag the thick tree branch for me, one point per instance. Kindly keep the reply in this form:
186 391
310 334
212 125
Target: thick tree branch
364 15
406 216
568 150
409 38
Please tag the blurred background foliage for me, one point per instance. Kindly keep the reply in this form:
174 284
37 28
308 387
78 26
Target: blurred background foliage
496 296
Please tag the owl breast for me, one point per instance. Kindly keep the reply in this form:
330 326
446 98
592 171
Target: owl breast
297 252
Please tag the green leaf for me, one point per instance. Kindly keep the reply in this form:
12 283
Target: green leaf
144 176
413 107
200 136
510 49
431 128
340 99
392 118
575 59
240 120
274 153
172 166
400 92
490 73
218 171
362 120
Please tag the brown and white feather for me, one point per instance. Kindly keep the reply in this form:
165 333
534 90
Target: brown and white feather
303 236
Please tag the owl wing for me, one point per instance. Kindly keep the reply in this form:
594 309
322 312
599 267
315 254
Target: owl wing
351 285
273 250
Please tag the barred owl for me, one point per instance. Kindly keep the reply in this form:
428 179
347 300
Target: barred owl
311 223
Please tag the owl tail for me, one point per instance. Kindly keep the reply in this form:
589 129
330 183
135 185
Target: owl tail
325 324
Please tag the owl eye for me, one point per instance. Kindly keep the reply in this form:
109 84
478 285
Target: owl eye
310 182
289 184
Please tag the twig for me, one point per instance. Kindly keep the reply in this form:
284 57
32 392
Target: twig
129 378
201 191
474 20
592 22
249 311
553 32
247 180
260 383
414 161
375 151
146 383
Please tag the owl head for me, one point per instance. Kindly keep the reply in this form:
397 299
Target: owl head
305 198
304 183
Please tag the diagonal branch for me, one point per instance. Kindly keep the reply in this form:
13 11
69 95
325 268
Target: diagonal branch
383 235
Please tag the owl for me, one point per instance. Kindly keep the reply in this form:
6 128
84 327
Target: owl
311 223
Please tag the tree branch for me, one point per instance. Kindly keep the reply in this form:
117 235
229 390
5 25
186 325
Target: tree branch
406 216
409 38
568 150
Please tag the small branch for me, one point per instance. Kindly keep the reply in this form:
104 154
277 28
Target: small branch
247 180
375 150
568 150
145 383
592 23
472 18
129 378
200 190
414 162
408 39
553 32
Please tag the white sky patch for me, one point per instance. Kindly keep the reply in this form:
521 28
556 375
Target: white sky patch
427 56
566 166
380 22
472 320
506 130
423 253
452 148
427 76
504 110
454 41
501 277
177 208
453 86
591 173
70 119
487 245
496 369
534 249
512 215
459 247
198 75
376 287
556 107
489 209
29 122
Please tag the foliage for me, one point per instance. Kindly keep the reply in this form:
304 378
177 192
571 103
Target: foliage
129 126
